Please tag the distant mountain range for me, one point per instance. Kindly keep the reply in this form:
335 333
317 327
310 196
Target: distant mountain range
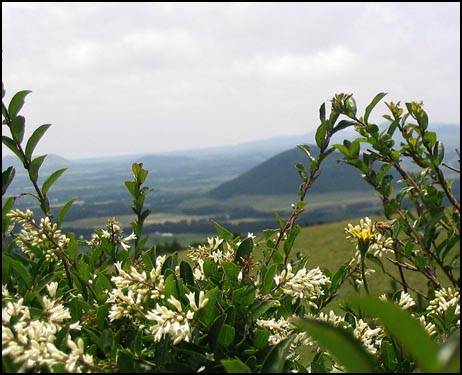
242 184
279 176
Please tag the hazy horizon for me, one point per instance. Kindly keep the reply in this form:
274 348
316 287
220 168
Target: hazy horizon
307 138
122 79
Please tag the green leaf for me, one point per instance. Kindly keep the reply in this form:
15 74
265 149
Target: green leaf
430 139
277 357
102 284
168 264
35 166
8 142
209 312
142 175
376 260
51 180
76 307
420 262
84 270
350 105
73 246
231 270
341 344
407 331
280 220
131 187
227 335
388 356
301 171
101 314
61 338
261 338
371 106
222 231
320 135
18 125
341 272
9 203
244 296
235 366
137 343
21 271
126 362
244 250
291 236
17 102
34 139
7 178
170 287
343 125
146 256
322 112
62 214
306 149
6 267
268 281
211 269
438 151
258 308
215 331
186 273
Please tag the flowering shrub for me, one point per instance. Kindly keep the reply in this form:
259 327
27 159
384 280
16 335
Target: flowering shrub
239 304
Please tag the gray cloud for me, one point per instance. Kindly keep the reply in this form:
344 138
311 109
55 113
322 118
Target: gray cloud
129 78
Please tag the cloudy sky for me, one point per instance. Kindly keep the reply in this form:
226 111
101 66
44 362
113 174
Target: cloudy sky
133 78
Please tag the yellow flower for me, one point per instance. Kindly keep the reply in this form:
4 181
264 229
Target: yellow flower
364 233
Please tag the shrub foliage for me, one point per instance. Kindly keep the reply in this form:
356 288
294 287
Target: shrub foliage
245 304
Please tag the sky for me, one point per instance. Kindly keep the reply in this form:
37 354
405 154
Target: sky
133 78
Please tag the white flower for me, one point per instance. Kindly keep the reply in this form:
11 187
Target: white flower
405 301
106 233
123 241
371 338
52 287
192 300
169 323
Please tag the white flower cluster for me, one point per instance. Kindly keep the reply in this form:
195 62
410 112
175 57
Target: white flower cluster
45 235
405 300
174 323
131 296
280 330
444 299
381 245
370 337
114 233
212 250
133 288
30 341
303 284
